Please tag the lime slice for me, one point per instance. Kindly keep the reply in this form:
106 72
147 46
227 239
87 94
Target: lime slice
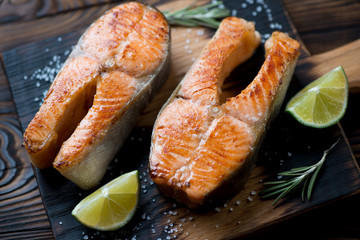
111 206
323 102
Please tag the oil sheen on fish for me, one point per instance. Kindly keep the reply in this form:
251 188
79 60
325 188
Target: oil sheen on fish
118 64
202 150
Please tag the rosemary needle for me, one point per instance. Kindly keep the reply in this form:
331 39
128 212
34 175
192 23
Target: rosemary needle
206 16
295 177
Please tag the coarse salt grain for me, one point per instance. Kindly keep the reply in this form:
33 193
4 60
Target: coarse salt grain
200 32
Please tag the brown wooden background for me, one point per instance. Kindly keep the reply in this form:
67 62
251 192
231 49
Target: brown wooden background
322 25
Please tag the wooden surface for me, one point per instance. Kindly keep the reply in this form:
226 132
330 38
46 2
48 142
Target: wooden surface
347 56
22 214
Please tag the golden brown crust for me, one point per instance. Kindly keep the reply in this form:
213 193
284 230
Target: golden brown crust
117 58
66 103
200 148
190 136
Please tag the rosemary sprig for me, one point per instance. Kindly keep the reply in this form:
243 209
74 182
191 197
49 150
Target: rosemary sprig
305 176
206 16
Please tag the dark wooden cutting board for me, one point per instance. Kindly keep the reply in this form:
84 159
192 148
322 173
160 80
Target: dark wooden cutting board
288 144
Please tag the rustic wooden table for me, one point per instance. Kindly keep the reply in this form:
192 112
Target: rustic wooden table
322 25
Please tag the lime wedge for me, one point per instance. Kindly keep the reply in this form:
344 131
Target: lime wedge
111 206
323 102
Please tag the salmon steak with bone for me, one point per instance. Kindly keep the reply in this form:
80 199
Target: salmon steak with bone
202 150
115 69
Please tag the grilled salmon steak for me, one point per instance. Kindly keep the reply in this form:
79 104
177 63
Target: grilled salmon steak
118 64
202 150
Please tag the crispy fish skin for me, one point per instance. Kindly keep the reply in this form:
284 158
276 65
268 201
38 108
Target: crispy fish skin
115 69
202 150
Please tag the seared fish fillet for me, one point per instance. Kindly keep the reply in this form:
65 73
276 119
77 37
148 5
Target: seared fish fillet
116 67
202 150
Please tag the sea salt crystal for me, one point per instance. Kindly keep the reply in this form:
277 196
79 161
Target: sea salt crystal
234 12
200 32
250 199
238 202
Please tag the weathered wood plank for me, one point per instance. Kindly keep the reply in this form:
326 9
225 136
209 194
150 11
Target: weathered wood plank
324 25
331 222
16 34
21 207
13 11
232 219
347 56
19 193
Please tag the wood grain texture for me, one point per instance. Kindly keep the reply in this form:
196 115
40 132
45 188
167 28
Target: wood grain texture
227 220
21 207
347 56
32 9
332 221
19 194
19 33
324 25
